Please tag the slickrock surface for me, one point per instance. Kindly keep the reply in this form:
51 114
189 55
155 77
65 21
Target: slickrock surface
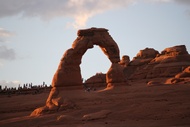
151 90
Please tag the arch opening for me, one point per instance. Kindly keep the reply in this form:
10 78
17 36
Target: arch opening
94 61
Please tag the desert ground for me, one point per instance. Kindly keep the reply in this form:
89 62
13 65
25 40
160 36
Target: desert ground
127 105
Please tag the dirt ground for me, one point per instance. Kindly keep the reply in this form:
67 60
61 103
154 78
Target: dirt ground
134 105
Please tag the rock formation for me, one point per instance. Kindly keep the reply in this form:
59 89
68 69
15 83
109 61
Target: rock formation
115 75
150 64
182 77
136 68
68 72
125 61
185 73
97 80
170 62
144 56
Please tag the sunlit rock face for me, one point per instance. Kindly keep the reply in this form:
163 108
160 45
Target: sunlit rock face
170 62
68 72
144 56
182 77
185 73
135 69
150 64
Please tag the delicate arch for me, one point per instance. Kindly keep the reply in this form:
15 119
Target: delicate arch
68 72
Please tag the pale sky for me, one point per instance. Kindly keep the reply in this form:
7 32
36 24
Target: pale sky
34 34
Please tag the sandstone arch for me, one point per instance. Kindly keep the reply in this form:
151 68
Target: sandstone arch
68 72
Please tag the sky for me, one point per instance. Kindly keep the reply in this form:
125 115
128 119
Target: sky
34 34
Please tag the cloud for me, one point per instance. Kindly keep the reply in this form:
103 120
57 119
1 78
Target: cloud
2 40
185 2
79 10
4 34
7 53
9 83
158 0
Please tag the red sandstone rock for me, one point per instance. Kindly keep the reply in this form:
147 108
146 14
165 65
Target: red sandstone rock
147 64
68 72
175 81
125 61
147 53
170 62
185 73
153 83
115 75
97 115
137 68
175 51
172 54
144 56
97 78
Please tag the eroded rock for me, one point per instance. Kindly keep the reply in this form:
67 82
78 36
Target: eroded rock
168 63
68 73
115 75
185 73
125 60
